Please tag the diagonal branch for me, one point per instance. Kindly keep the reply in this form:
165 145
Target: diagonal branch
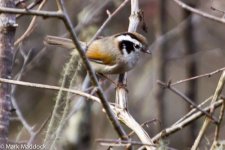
110 16
187 100
49 87
218 126
199 76
205 125
91 72
198 12
30 6
30 27
179 126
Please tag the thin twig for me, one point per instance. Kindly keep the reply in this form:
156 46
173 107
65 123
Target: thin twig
30 6
26 58
116 142
205 125
13 89
37 132
49 87
89 14
31 26
144 124
110 16
193 110
199 76
35 59
18 2
219 10
179 126
186 99
41 13
217 130
198 12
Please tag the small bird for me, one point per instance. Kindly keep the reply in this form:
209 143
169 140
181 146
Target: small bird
114 54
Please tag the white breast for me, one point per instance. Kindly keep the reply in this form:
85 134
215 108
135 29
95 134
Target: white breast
129 61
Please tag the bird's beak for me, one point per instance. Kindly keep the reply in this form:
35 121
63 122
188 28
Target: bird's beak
146 51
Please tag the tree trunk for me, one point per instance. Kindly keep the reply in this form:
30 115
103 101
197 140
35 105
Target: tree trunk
7 32
162 55
191 65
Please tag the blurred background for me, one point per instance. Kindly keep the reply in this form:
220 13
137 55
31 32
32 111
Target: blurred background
182 45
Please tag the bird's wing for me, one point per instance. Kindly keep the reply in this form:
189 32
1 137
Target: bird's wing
96 54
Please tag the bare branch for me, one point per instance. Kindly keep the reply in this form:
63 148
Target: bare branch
207 120
31 26
198 12
199 76
179 126
40 13
218 126
193 110
115 142
49 87
146 123
186 99
110 16
30 6
37 132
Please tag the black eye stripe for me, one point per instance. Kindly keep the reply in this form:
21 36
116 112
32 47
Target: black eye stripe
128 45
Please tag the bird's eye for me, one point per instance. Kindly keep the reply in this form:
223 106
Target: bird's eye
136 46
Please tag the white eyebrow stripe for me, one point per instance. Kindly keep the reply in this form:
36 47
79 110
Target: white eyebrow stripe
128 38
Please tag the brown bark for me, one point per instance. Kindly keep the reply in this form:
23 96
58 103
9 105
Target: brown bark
7 32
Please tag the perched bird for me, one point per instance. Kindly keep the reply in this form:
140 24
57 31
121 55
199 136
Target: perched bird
114 54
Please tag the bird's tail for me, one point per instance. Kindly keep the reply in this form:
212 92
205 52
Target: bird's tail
61 42
75 62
